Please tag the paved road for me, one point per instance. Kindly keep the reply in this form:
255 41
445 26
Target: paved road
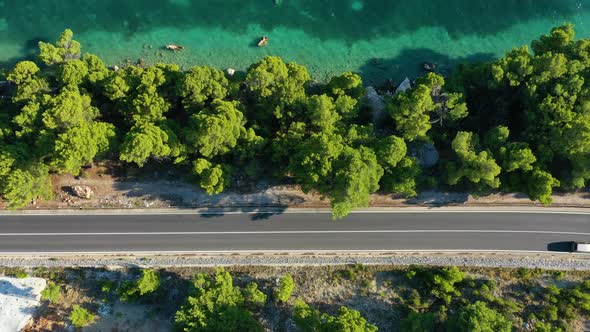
292 232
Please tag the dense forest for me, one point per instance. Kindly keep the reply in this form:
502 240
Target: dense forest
521 123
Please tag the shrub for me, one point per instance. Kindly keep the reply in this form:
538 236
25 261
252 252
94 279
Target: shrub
81 317
285 289
253 296
146 284
51 292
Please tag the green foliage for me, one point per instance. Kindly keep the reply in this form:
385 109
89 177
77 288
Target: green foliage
22 186
478 317
78 146
540 186
475 166
410 112
253 296
51 292
347 84
147 283
97 71
81 317
216 130
275 82
215 304
308 319
144 141
285 288
440 283
65 49
72 72
212 178
418 322
201 84
356 175
322 113
68 109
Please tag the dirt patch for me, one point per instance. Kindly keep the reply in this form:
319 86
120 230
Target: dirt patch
158 191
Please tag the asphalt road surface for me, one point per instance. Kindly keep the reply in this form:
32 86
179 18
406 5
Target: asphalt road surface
297 232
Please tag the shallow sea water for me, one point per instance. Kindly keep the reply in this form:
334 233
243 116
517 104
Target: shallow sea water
377 38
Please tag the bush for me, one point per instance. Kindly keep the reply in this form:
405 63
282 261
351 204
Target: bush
253 296
146 284
81 317
285 289
51 292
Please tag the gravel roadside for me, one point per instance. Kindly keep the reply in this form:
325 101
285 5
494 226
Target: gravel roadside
542 261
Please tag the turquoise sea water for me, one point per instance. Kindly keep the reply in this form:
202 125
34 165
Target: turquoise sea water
378 38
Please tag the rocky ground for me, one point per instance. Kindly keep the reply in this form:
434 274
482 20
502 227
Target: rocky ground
376 291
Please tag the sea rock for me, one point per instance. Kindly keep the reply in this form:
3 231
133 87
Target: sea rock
403 86
83 191
377 104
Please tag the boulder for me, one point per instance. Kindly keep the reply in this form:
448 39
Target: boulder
403 86
82 191
377 104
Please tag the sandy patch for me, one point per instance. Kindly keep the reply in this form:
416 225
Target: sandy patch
19 298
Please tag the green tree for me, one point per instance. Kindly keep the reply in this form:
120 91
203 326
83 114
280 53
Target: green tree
213 178
216 130
81 317
277 83
97 71
22 186
79 146
346 84
475 166
285 288
215 304
201 84
144 141
322 113
410 111
517 156
540 186
478 317
390 151
68 109
65 49
356 176
72 72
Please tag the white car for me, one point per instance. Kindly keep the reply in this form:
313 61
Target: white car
580 247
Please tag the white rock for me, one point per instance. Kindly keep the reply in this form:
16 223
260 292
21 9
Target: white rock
19 298
404 85
231 71
376 103
83 191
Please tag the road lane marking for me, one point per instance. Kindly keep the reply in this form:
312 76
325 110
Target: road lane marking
300 232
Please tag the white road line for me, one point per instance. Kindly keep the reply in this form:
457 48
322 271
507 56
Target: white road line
300 232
